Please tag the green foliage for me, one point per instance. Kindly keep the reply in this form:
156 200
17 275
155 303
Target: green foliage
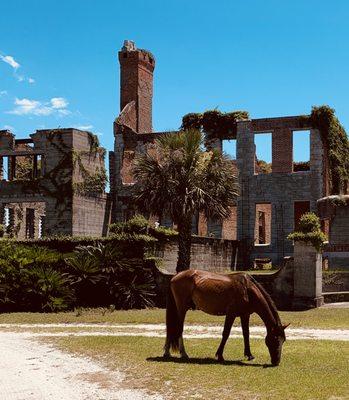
215 122
264 167
129 283
92 182
31 279
336 142
339 201
309 231
301 166
180 179
24 168
309 222
35 278
140 225
162 233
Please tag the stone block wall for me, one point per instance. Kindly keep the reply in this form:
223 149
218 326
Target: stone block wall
54 189
334 212
281 188
207 254
90 216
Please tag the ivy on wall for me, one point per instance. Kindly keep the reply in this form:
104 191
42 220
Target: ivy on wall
335 140
57 182
214 122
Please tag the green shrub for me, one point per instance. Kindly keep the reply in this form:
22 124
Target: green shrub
136 225
162 233
309 231
31 279
309 222
103 272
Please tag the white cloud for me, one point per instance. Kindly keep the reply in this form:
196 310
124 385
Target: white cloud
84 127
59 102
3 93
57 105
15 65
10 60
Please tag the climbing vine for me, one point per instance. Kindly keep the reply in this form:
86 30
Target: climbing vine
92 182
214 122
57 182
336 143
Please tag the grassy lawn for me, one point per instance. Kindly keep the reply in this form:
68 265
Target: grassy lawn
309 369
316 318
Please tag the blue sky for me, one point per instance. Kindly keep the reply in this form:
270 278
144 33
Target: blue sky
58 59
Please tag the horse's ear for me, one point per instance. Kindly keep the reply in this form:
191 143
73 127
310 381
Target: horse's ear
285 326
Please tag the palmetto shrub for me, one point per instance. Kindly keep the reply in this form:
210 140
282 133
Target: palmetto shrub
39 279
101 272
31 279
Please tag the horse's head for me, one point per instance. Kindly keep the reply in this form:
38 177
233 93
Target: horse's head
274 340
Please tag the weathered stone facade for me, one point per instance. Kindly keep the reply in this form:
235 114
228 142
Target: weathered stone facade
55 193
334 212
269 205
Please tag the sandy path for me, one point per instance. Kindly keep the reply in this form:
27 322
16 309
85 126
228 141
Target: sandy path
159 330
34 371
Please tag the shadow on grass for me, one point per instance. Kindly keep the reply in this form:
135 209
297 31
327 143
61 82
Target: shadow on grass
205 361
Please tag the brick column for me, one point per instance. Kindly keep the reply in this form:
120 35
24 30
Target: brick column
282 151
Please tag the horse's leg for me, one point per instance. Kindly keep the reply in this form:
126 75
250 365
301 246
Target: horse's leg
229 320
167 353
245 322
182 313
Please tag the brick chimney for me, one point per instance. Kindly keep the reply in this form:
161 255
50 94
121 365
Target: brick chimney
136 83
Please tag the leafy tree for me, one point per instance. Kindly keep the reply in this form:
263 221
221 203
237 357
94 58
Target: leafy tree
179 179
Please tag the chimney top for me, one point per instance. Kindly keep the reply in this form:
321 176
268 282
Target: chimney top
129 45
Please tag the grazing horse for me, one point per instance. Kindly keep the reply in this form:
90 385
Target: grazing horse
234 295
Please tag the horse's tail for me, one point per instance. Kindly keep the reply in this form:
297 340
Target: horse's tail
173 331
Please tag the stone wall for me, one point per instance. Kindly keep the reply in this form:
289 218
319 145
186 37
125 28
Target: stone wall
281 188
91 216
208 254
66 157
334 212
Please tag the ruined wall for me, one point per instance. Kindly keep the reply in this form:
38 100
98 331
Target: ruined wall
90 216
67 165
280 189
335 211
207 254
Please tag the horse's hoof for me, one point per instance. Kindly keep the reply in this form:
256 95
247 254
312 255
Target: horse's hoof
220 358
184 357
250 358
166 356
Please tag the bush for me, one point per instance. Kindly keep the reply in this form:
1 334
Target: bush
35 278
101 269
162 233
309 231
136 225
309 222
31 279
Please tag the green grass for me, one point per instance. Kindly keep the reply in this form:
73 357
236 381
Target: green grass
315 318
308 370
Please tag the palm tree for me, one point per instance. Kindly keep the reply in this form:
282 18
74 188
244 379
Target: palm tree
179 179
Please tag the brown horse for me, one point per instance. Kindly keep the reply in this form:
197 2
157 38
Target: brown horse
234 295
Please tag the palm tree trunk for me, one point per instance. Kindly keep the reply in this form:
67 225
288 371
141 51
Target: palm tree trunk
184 245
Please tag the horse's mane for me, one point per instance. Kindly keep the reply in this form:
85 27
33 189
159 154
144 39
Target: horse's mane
269 300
